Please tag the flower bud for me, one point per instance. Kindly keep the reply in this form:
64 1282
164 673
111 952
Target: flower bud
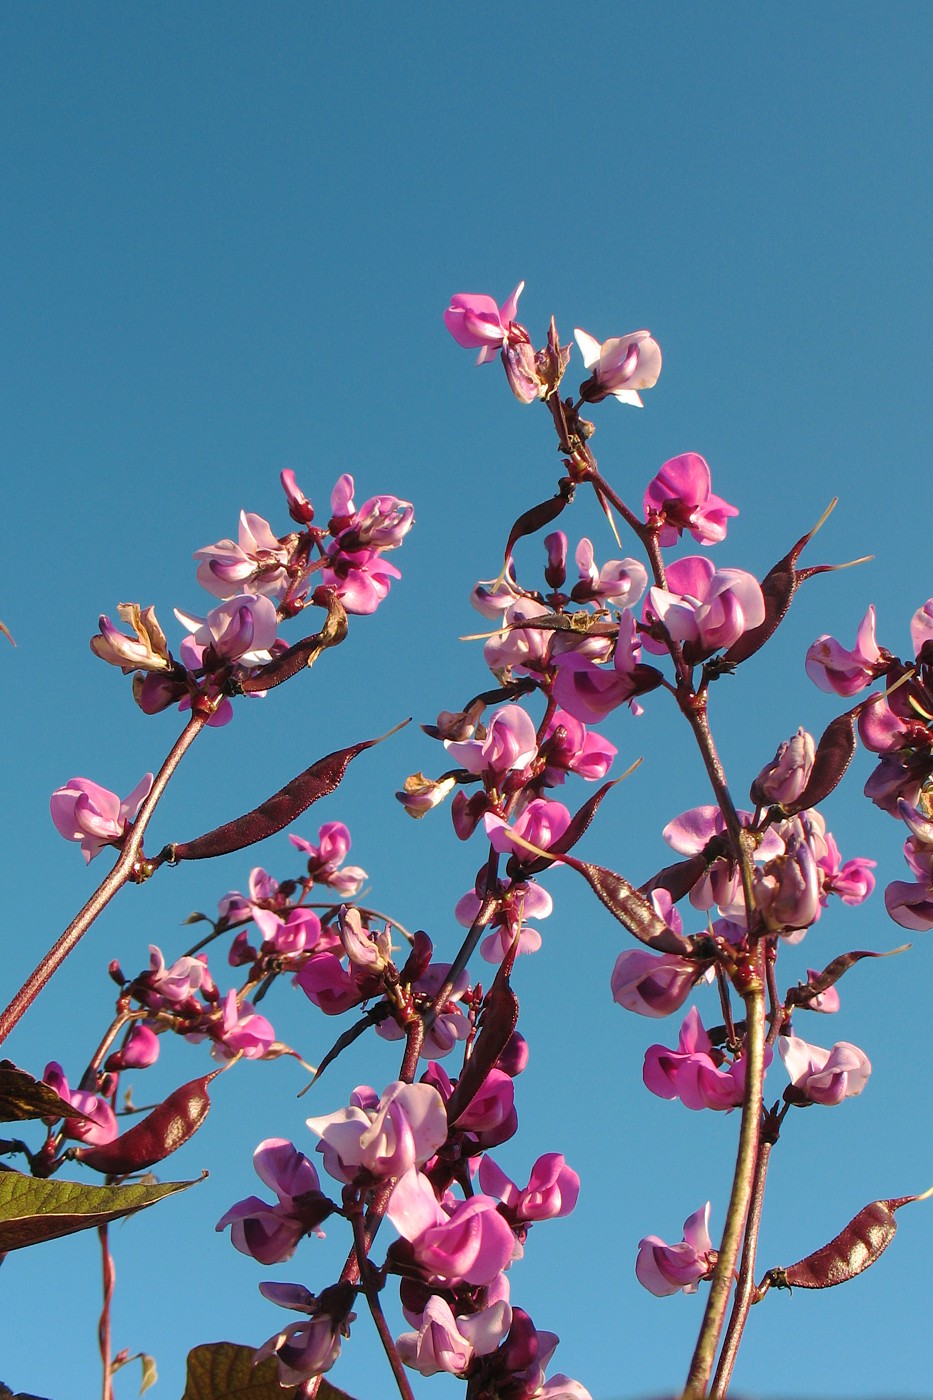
787 775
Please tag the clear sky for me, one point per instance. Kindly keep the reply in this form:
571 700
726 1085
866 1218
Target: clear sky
229 233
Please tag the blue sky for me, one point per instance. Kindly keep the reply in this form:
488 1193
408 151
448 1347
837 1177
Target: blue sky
229 235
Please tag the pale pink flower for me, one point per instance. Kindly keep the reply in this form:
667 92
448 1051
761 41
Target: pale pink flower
304 1349
256 564
824 1076
510 745
841 672
403 1130
620 581
787 775
147 651
664 1268
241 630
94 816
619 367
447 1343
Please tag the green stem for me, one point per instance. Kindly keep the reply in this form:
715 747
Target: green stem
745 1290
701 1365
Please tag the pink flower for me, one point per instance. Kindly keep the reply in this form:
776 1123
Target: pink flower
703 607
299 507
510 744
97 1124
405 1128
843 672
447 1343
681 496
293 931
84 812
306 1349
664 1268
382 522
552 1189
568 746
652 984
620 581
477 323
542 822
256 564
620 367
241 630
690 1074
468 1243
787 775
588 691
270 1233
823 1076
239 1031
361 578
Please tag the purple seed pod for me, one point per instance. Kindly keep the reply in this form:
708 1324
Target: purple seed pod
854 1249
160 1133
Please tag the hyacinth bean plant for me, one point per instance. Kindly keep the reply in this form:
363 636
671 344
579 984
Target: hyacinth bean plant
408 1169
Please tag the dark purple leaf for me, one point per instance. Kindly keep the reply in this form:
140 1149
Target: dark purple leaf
23 1097
499 1017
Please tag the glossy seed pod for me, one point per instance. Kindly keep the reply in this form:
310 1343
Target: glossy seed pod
160 1133
853 1250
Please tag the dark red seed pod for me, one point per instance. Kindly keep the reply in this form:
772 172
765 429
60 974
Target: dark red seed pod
538 516
854 1249
833 755
578 825
276 812
160 1133
631 908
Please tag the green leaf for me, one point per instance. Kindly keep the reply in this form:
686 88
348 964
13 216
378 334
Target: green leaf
225 1371
32 1210
23 1097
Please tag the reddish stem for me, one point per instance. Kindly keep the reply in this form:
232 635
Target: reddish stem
128 867
103 1327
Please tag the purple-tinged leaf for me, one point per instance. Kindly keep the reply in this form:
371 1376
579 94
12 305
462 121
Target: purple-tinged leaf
225 1371
22 1097
578 825
632 909
33 1210
277 811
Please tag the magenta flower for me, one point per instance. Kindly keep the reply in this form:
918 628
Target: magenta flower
619 367
588 691
690 1073
382 522
176 985
84 812
552 1189
823 1076
703 607
468 1243
447 1343
841 672
567 746
652 984
361 579
681 496
326 858
299 507
541 823
270 1233
403 1130
510 744
238 1031
672 1268
97 1124
294 931
477 323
